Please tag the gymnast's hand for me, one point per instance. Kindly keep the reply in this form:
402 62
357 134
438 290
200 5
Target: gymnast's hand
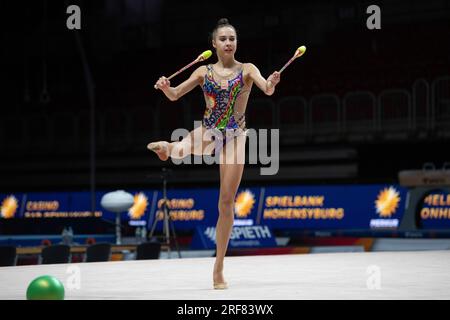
163 83
274 78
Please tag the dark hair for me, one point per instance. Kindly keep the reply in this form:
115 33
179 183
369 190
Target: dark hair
220 24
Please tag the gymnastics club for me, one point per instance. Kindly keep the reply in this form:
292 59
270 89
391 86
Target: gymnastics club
298 53
205 55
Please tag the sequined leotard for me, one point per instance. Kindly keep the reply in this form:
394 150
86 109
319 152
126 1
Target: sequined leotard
220 111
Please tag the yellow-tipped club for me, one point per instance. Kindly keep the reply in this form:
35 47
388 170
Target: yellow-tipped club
206 55
300 51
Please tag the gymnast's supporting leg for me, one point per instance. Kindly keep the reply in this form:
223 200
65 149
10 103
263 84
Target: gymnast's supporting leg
232 160
231 169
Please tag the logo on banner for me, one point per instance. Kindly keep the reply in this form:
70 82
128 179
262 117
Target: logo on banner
244 204
9 207
386 205
210 233
244 236
137 211
387 202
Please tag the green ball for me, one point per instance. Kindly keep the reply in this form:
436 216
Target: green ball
45 288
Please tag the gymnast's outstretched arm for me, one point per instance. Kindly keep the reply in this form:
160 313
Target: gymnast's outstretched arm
266 86
173 94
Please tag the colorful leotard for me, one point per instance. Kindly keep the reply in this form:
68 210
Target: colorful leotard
220 112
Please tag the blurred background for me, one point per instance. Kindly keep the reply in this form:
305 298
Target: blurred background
361 106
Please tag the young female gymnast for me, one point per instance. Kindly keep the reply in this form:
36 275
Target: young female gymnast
226 87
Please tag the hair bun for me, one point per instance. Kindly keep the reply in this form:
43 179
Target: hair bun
222 22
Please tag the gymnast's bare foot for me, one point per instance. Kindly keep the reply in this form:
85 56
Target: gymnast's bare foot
218 279
161 148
